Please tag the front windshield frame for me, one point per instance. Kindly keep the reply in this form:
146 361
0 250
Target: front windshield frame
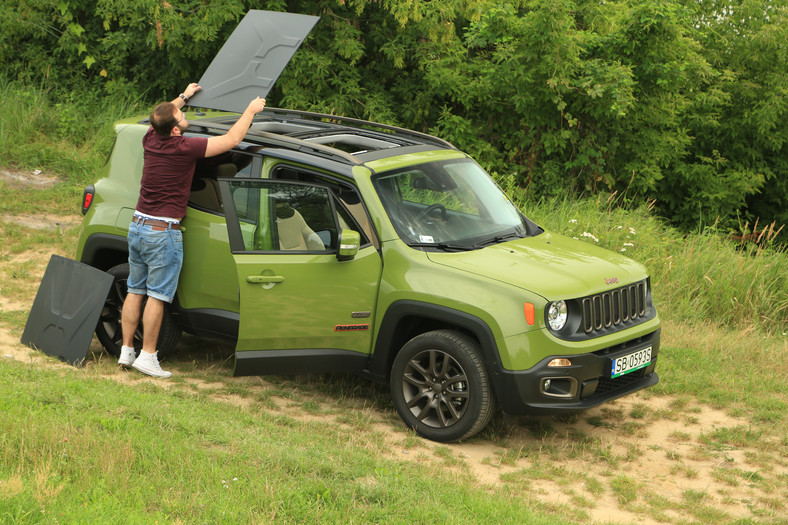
451 205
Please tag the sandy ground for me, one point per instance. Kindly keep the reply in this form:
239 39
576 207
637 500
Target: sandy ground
659 453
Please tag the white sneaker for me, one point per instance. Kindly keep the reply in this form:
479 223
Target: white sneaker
127 356
149 364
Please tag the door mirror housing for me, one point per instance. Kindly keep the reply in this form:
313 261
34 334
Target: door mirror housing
349 242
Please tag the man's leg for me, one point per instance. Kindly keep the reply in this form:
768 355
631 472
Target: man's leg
151 323
129 320
163 255
148 361
130 317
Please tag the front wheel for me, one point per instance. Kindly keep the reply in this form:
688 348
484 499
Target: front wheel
440 387
109 330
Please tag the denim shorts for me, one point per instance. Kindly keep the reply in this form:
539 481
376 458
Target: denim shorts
155 260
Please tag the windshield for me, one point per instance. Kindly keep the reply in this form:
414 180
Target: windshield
449 205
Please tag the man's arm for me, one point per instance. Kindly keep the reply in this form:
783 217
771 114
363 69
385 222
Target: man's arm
235 134
189 92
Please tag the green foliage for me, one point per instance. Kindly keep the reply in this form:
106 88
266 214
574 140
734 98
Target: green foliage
68 135
744 40
679 101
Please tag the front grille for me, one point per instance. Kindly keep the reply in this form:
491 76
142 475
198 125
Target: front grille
610 309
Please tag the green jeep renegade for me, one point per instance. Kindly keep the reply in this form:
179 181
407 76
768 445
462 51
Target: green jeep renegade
330 244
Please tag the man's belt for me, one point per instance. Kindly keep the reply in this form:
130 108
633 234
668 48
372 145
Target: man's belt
155 224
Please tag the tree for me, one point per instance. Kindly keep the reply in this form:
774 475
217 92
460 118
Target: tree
680 101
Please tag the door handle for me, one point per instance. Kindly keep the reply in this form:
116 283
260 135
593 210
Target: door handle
264 279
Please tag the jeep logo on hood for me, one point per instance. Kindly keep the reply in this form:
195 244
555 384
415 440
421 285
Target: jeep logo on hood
611 280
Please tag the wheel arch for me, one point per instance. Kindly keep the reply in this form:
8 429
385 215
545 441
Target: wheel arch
406 319
104 250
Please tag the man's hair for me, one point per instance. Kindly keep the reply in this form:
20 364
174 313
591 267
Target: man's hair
162 118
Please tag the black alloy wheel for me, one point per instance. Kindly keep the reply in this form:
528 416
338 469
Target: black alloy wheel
440 386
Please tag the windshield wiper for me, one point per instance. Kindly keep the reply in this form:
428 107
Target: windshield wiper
496 239
442 246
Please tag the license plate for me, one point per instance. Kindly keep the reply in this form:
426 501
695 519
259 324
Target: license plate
631 362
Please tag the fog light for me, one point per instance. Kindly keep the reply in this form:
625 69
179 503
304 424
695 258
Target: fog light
561 387
560 362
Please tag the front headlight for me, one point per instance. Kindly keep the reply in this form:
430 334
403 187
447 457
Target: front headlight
556 315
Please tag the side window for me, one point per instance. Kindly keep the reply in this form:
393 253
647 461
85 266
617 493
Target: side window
282 217
204 194
351 212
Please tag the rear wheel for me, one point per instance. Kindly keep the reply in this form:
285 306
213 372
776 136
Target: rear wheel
440 386
109 330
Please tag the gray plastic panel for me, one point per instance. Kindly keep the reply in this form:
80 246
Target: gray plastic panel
66 309
251 60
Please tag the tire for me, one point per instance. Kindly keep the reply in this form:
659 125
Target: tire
440 387
108 329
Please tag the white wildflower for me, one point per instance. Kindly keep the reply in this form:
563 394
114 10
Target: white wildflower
632 231
628 244
589 235
573 221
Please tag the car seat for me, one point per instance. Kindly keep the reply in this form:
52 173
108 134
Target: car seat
294 233
205 189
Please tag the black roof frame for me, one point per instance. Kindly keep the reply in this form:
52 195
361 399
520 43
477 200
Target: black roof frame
328 125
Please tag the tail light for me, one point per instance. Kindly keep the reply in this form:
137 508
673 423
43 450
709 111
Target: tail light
87 198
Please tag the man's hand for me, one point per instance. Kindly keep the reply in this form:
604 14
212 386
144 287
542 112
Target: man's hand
256 105
191 89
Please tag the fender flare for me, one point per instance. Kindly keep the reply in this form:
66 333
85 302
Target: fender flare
105 250
400 323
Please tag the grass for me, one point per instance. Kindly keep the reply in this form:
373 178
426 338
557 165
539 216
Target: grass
77 447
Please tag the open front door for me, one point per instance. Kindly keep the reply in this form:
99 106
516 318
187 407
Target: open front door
302 309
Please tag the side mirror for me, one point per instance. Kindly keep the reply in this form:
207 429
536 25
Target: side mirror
349 242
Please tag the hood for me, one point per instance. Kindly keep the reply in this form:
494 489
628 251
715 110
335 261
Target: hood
251 60
550 265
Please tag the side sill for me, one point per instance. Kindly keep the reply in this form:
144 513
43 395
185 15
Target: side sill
208 322
293 362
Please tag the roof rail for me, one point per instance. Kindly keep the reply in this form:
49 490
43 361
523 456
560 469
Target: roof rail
403 132
274 139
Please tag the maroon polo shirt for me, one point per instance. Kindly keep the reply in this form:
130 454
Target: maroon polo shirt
167 173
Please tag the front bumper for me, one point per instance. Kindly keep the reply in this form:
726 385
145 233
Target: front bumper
584 384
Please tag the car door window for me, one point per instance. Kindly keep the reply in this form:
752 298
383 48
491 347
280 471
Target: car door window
279 216
351 211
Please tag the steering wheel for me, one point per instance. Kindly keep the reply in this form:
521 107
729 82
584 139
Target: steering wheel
429 209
